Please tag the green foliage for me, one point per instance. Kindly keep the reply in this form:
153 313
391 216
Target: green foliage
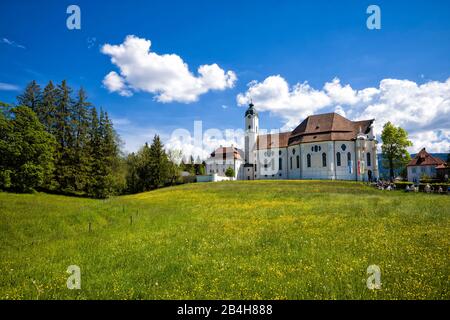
86 157
151 167
275 240
158 169
26 150
395 141
230 172
31 97
173 167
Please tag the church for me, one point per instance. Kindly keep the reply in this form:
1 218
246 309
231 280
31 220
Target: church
324 146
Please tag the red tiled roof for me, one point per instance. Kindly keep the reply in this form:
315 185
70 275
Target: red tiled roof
328 127
316 128
276 140
227 153
423 158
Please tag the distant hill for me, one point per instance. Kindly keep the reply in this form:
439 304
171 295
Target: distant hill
384 172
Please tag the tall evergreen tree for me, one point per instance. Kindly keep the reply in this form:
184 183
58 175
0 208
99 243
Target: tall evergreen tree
80 152
46 110
31 97
64 173
94 145
158 164
144 168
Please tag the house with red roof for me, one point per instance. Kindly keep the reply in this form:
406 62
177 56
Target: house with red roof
424 164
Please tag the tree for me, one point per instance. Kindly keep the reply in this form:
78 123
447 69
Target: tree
173 167
79 153
46 109
230 172
31 98
132 176
26 150
395 141
64 172
158 164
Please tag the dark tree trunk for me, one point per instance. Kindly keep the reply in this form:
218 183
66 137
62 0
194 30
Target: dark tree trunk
391 168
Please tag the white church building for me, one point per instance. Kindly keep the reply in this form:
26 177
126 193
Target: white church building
324 146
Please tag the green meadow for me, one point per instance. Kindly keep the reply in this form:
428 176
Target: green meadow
228 240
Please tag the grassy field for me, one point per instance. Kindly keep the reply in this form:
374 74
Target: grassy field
229 240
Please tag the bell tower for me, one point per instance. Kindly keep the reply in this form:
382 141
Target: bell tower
251 136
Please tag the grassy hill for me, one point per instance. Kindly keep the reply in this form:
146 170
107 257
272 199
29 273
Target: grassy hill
229 240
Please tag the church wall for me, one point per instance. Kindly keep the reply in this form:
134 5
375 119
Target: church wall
294 169
219 167
345 171
316 170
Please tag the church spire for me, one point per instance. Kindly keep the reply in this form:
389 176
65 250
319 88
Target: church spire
251 110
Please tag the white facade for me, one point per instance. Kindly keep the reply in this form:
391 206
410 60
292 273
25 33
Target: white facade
303 162
222 159
279 157
416 172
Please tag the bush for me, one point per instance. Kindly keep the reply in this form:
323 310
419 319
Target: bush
230 172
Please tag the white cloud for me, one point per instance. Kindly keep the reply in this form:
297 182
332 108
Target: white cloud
293 104
166 76
115 83
423 110
12 43
8 87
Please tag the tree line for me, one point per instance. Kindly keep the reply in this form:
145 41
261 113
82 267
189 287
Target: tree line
56 141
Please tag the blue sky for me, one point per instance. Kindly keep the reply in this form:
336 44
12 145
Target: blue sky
312 41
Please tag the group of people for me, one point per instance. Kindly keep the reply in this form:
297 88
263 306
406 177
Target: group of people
430 189
388 185
385 185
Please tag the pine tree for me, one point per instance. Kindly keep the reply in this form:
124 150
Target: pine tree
46 110
64 172
144 168
31 98
158 164
80 151
94 145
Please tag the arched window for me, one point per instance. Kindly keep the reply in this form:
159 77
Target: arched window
308 160
290 162
338 159
369 160
324 159
280 164
298 161
349 156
